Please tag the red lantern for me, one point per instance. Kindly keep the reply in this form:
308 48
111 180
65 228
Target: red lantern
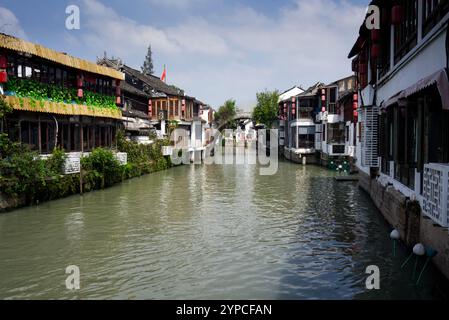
375 51
375 35
80 82
293 108
3 62
119 100
356 114
397 15
355 105
355 97
183 105
80 93
323 98
3 77
323 109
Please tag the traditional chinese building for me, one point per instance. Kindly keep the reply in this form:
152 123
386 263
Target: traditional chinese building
285 98
402 72
335 122
297 122
58 100
166 107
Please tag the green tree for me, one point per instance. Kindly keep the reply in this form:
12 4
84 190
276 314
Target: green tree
267 107
5 108
148 68
226 113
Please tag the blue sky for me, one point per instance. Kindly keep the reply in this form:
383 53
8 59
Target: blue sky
214 49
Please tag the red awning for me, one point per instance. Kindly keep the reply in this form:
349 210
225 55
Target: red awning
439 78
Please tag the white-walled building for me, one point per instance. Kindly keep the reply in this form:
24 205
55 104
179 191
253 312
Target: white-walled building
335 122
402 72
284 99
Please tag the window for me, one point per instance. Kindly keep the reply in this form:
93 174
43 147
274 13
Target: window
385 41
44 74
19 71
336 133
306 137
433 12
58 76
64 79
12 66
51 75
332 106
405 34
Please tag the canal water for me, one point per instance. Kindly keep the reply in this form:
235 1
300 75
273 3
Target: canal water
209 232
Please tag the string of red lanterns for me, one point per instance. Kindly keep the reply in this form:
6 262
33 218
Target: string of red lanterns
355 105
293 107
80 84
118 92
323 100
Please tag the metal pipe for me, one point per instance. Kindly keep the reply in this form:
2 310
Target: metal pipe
57 131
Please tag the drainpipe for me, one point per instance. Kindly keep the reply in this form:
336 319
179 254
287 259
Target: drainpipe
447 46
57 131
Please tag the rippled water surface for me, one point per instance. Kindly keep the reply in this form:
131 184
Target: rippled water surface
208 232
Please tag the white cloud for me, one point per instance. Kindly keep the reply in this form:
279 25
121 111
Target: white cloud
178 4
239 52
9 24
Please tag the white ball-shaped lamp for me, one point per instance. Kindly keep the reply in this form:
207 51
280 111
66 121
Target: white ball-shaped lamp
419 250
395 235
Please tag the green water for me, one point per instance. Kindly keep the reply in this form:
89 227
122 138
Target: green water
208 232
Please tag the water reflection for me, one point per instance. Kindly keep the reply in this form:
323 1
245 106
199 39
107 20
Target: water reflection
207 232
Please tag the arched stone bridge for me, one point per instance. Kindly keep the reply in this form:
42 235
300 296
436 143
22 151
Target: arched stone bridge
243 116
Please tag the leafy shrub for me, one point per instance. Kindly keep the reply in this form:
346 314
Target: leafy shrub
143 159
4 108
55 163
102 168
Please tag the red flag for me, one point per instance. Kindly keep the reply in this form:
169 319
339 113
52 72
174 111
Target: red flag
164 74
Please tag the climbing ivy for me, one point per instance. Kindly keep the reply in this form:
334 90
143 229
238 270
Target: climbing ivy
29 88
5 107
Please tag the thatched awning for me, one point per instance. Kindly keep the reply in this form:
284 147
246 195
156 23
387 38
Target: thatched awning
16 44
27 104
